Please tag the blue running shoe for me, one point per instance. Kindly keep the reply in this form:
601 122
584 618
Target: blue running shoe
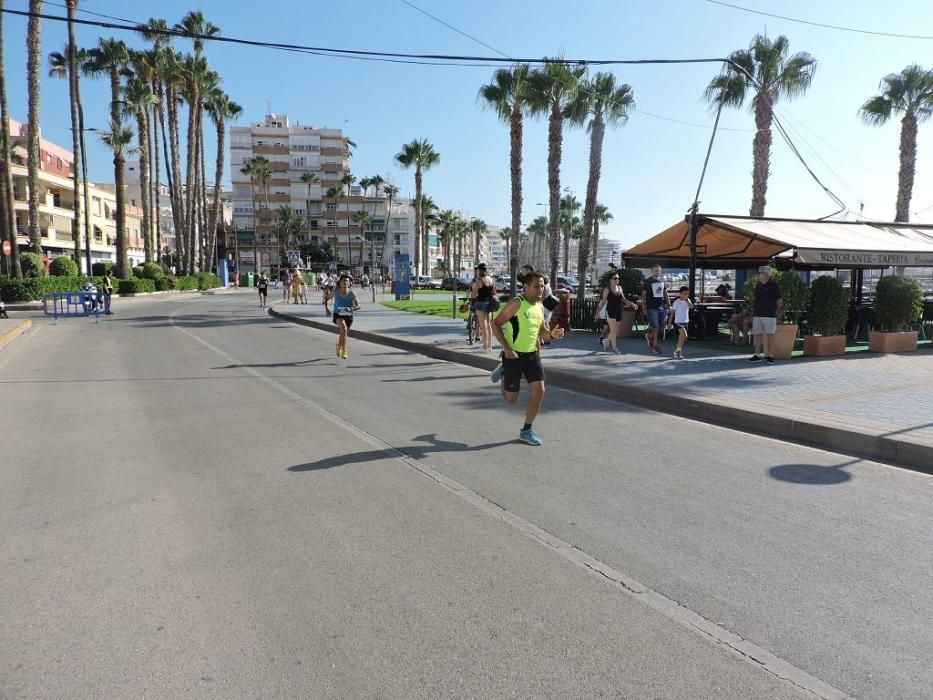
496 375
529 436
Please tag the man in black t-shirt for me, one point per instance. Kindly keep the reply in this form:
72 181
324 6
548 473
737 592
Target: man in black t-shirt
656 304
765 310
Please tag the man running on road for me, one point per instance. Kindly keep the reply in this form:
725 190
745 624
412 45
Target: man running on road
262 285
524 316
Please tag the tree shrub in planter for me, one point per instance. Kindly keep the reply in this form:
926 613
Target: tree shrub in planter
63 266
100 268
151 271
32 266
135 285
164 283
898 303
827 316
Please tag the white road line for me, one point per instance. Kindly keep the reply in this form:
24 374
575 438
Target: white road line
685 617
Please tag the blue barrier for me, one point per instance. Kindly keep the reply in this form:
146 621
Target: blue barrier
73 304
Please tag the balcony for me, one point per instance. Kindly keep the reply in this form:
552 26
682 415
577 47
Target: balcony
270 150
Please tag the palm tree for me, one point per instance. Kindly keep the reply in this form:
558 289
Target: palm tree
552 90
138 98
507 95
221 109
335 193
249 170
287 227
448 222
262 171
538 231
420 154
479 228
118 139
391 192
155 31
606 103
601 215
568 220
347 181
362 219
766 69
309 177
7 206
908 93
34 51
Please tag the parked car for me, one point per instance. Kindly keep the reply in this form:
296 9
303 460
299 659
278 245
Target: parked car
425 282
456 283
503 284
571 283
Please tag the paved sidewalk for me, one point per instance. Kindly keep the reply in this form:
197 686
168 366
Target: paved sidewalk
864 404
12 328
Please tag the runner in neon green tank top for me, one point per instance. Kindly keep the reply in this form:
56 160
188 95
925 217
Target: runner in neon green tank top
518 330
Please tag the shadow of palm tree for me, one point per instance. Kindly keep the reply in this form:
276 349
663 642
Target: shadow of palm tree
434 444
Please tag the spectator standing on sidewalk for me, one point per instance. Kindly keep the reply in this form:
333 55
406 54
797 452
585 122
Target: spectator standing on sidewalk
681 306
613 303
768 304
106 288
656 304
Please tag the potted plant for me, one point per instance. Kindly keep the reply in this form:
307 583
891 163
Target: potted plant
827 316
795 294
898 303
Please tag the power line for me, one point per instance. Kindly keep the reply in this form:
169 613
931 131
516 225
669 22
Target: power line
452 27
821 24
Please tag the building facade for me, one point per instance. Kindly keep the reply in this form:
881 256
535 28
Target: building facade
56 206
292 151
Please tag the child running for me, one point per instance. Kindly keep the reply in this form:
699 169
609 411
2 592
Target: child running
681 306
345 303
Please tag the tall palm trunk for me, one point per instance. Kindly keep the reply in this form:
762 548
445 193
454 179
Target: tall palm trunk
178 203
151 250
905 175
419 220
597 132
34 49
154 182
207 237
515 168
75 133
595 239
555 138
218 175
7 206
122 266
385 237
190 177
87 195
566 259
761 147
142 124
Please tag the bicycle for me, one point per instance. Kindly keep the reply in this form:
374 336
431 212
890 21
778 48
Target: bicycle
471 324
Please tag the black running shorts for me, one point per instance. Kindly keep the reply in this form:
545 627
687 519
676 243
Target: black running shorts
348 319
527 364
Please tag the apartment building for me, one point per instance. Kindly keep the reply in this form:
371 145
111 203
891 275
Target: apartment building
56 206
494 250
294 149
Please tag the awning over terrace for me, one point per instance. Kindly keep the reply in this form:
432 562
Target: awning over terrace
741 242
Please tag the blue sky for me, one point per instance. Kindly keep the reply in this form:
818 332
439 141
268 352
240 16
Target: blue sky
650 166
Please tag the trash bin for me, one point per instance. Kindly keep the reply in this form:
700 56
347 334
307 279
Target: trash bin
393 286
247 280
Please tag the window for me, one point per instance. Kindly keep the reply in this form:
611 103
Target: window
331 206
331 223
48 157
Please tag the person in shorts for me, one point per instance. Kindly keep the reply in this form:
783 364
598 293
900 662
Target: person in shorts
518 328
655 304
767 305
681 307
345 303
262 286
482 290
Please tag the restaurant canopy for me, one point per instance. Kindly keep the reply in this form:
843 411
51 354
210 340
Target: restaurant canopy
735 242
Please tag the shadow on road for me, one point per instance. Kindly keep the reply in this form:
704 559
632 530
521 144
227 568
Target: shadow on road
434 445
812 474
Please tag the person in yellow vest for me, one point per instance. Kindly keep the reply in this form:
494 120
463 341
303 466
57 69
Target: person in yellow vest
518 329
106 287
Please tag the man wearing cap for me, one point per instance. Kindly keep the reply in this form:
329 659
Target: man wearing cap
767 306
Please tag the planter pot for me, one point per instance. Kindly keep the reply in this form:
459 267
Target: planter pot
824 345
628 320
783 344
879 341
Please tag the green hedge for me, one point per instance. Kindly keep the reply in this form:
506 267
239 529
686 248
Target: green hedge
135 285
63 267
164 283
186 282
207 280
151 271
100 268
32 266
34 288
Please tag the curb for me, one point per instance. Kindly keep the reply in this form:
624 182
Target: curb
910 455
15 332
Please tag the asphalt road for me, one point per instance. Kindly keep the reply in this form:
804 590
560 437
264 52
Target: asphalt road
200 501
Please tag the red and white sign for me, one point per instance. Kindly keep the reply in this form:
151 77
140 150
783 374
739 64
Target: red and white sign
6 248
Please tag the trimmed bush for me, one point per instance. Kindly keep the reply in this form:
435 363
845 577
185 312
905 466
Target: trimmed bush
32 266
100 268
186 282
151 271
137 271
207 280
829 306
164 283
898 302
34 288
135 285
63 267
